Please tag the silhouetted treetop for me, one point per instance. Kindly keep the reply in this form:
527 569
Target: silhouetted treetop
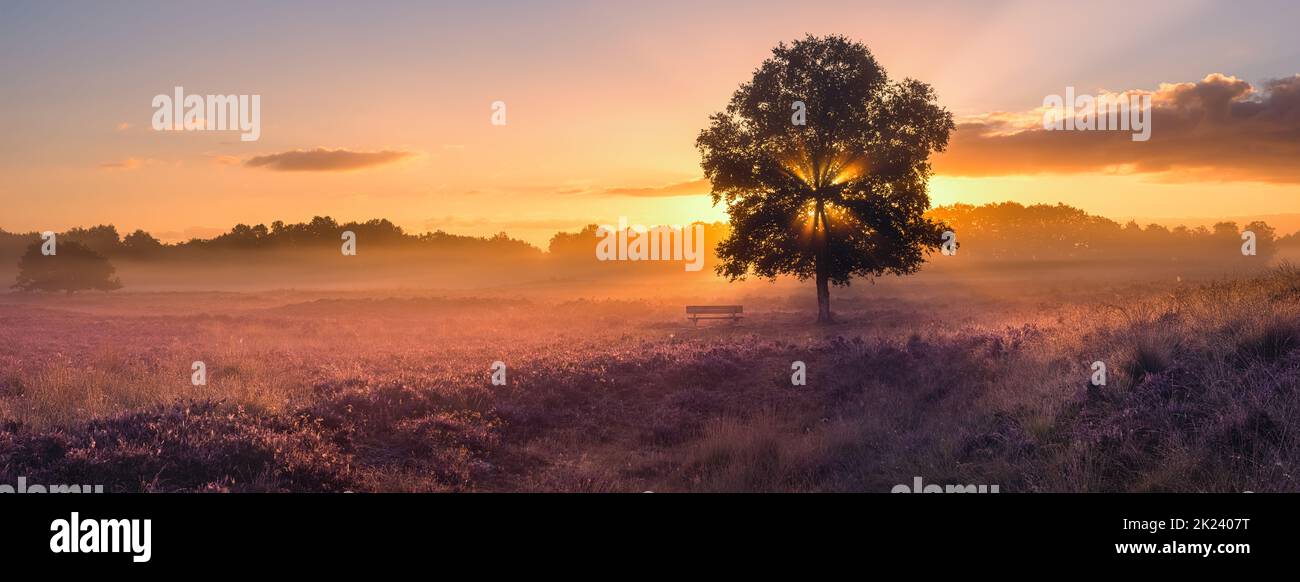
823 162
73 267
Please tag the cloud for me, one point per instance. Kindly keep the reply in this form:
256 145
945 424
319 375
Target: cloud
325 160
127 164
479 223
690 188
1219 128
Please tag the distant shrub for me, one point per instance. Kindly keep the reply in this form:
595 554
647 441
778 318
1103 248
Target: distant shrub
73 268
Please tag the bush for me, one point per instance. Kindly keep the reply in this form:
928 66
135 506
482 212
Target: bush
74 267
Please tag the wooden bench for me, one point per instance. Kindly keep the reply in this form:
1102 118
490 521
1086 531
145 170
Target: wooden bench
697 312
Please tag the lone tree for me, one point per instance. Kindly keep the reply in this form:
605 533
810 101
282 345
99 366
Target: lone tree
823 163
73 267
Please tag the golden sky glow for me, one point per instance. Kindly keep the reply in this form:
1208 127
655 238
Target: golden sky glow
603 106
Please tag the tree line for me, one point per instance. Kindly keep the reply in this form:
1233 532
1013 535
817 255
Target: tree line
1008 231
992 234
320 231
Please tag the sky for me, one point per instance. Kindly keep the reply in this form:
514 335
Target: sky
383 109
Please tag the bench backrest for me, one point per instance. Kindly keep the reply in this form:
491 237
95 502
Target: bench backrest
708 309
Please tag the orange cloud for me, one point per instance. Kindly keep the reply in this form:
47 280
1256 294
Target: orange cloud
460 222
325 160
1219 128
127 164
690 188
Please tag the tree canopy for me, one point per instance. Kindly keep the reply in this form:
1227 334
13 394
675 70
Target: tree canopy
823 163
73 267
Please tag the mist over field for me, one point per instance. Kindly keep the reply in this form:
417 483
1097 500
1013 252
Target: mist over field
374 372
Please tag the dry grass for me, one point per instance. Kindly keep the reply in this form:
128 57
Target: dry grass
391 392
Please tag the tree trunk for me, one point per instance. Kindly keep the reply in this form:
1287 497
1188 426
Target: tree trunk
821 231
823 293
